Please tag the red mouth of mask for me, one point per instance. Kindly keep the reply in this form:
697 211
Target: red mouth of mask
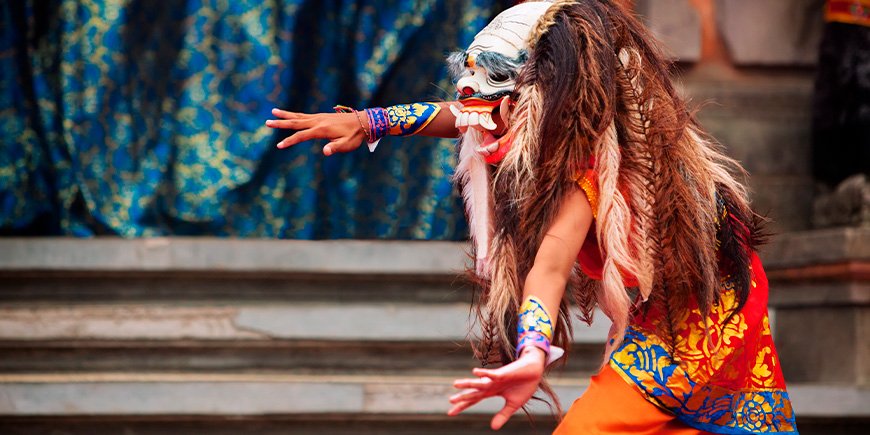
504 145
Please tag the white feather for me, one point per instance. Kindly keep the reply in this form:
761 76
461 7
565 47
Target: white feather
472 173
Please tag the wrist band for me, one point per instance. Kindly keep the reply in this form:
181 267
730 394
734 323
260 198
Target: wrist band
398 120
535 339
379 123
534 328
409 119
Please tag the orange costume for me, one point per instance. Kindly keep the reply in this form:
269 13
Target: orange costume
725 379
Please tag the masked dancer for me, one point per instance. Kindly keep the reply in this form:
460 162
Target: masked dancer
588 182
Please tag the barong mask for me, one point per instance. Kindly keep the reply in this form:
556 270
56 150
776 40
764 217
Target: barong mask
486 72
485 76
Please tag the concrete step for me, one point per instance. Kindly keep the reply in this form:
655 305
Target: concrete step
185 305
310 337
177 336
205 397
284 356
27 394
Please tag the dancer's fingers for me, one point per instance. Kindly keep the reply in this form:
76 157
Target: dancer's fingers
469 394
298 137
494 374
461 406
290 124
285 114
479 383
503 416
331 148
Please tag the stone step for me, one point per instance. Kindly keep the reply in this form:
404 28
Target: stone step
239 394
318 424
67 270
27 394
259 336
203 397
324 424
352 337
276 356
243 256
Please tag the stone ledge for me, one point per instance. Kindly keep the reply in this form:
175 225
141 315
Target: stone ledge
340 256
137 394
300 321
232 255
812 248
257 394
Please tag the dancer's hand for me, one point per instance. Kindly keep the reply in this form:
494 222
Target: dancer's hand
516 382
342 130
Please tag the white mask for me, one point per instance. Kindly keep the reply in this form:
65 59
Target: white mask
486 74
487 70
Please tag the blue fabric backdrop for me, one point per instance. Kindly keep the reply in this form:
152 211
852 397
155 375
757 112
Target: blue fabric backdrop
142 118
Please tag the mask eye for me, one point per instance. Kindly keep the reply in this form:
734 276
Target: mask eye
499 77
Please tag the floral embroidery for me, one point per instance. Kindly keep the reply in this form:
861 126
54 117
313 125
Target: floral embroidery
725 382
534 318
725 377
409 119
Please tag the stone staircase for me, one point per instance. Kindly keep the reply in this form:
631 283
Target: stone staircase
223 336
191 335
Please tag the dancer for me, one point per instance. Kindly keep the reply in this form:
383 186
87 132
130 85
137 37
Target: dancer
585 178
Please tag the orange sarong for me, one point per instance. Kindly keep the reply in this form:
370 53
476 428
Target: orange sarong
612 406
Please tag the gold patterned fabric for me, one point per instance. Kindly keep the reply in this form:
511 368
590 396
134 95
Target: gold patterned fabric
141 118
722 374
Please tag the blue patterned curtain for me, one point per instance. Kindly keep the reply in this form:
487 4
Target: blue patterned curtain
145 118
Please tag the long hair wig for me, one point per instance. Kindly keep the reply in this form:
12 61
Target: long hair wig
597 91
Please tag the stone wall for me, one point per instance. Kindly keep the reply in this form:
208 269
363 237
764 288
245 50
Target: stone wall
769 32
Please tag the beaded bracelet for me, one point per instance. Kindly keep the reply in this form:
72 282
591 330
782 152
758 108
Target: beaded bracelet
379 123
399 120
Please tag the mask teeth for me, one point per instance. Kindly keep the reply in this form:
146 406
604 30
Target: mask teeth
487 122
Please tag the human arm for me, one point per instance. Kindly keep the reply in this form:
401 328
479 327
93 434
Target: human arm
517 382
347 131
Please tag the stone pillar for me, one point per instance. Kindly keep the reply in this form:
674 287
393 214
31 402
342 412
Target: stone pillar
820 288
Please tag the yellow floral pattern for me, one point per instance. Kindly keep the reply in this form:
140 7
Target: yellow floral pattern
143 119
409 119
533 317
723 377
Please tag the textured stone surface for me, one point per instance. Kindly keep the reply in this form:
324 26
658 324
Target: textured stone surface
764 123
305 321
206 329
789 36
847 205
232 255
424 424
218 394
806 248
820 284
826 349
120 394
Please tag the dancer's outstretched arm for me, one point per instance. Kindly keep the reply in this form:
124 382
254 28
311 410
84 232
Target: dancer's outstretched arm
346 131
544 287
